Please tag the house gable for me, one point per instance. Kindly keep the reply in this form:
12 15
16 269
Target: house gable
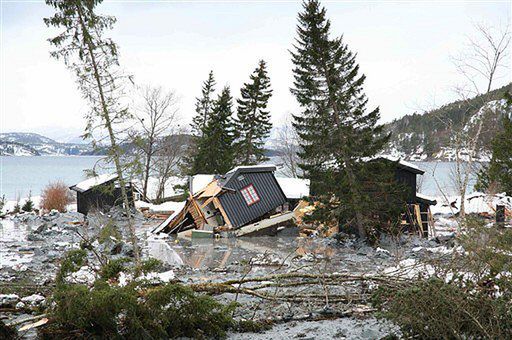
269 194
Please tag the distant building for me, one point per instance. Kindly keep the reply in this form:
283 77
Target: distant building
100 193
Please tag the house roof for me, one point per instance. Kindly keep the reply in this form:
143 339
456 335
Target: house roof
233 173
294 188
200 181
403 164
426 199
153 184
92 182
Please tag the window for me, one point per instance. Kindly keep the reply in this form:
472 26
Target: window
250 195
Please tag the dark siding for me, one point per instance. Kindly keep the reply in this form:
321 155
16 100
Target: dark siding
408 179
265 184
96 199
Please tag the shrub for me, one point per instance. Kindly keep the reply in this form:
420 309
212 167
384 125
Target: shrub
135 312
71 262
150 265
7 332
56 196
2 203
108 231
471 300
433 309
112 269
29 204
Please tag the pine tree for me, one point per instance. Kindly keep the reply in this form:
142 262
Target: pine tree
215 149
94 59
29 204
498 173
204 105
253 119
204 108
337 132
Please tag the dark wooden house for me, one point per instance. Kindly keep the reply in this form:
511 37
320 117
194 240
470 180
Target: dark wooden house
99 193
417 215
244 195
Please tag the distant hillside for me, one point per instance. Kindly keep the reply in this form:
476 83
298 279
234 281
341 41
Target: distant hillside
427 136
8 148
26 138
33 144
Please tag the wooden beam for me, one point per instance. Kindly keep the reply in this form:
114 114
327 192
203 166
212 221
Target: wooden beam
217 205
266 223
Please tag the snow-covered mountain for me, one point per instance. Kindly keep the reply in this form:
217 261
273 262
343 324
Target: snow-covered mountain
430 136
8 148
33 144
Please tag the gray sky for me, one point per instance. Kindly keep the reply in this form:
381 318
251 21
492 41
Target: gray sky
403 48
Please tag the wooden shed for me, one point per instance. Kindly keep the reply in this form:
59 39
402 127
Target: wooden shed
417 216
99 193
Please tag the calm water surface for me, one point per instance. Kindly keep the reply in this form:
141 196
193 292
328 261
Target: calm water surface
20 175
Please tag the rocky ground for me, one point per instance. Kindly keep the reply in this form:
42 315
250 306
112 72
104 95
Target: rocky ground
31 248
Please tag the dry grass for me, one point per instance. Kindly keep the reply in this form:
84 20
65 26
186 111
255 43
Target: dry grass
56 195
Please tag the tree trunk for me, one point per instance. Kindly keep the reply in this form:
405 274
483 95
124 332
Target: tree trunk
361 228
113 143
147 169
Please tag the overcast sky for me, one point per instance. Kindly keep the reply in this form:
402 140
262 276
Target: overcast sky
404 49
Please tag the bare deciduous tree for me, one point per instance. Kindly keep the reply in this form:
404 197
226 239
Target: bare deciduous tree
479 64
485 55
157 116
168 158
288 141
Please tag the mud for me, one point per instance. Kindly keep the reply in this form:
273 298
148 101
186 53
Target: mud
31 247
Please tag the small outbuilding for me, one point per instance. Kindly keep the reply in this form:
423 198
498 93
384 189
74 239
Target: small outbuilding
100 193
418 215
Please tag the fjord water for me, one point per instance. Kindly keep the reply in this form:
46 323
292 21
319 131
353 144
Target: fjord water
21 175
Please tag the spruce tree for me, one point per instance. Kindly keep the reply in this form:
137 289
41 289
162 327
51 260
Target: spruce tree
497 175
336 130
253 119
204 105
215 149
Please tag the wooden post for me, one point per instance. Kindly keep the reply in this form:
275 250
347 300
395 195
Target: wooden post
500 214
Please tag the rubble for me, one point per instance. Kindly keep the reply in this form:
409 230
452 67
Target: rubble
33 246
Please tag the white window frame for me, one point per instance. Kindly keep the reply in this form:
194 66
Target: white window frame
250 195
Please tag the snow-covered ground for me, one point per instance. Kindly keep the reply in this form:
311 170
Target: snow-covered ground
475 203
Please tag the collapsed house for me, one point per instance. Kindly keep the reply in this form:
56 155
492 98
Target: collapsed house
245 201
100 193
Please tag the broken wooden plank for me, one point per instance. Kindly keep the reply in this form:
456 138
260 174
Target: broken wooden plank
266 223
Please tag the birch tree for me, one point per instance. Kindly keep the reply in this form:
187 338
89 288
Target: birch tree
288 148
157 116
479 65
94 59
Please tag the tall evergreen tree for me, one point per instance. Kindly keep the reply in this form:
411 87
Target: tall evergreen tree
497 175
204 108
337 132
253 119
215 149
94 59
204 105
